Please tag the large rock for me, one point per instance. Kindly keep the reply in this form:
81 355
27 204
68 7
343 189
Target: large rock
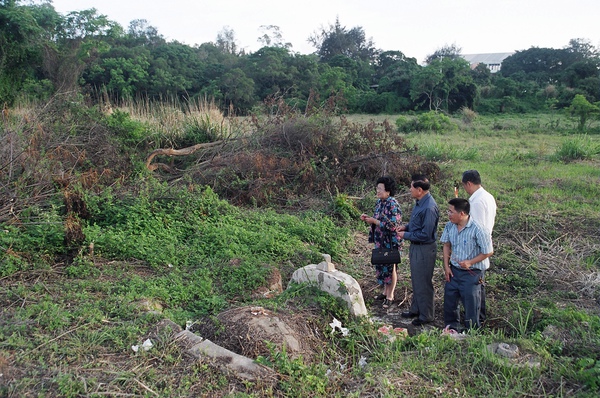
338 284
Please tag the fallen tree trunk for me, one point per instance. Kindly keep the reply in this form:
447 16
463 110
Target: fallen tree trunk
177 152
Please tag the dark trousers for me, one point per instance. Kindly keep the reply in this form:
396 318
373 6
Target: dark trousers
422 264
464 287
482 311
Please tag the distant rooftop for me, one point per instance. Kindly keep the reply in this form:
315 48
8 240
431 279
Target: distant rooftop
492 60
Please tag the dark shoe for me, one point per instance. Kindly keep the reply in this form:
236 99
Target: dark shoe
379 297
387 303
419 322
408 314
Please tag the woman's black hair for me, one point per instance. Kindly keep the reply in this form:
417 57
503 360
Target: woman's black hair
389 183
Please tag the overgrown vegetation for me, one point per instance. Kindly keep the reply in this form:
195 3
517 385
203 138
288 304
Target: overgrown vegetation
96 249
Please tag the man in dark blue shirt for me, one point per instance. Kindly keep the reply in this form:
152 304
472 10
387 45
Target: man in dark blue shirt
421 231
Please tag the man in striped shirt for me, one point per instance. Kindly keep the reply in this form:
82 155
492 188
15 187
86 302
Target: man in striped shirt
466 245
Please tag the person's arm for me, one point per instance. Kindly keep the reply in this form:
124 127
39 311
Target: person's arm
466 264
447 266
484 242
370 220
425 232
392 222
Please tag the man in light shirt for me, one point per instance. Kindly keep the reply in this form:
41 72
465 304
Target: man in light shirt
483 211
466 246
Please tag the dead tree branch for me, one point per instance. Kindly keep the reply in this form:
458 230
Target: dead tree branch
179 152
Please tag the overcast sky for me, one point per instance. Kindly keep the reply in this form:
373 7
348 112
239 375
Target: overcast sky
415 27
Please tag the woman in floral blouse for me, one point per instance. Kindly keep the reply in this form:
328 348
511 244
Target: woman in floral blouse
386 218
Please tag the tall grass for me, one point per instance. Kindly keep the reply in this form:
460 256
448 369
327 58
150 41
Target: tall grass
440 152
579 147
192 121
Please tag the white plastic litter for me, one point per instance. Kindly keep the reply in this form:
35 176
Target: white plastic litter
337 324
146 345
362 362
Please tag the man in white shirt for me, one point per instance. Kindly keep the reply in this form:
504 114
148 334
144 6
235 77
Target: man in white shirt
483 211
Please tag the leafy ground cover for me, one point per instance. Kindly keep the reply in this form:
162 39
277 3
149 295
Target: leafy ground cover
96 250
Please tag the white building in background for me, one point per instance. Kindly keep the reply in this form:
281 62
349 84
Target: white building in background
492 60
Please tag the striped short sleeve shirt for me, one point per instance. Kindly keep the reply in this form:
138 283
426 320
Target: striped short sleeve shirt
471 241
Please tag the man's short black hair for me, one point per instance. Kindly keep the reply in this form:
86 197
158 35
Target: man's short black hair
471 176
420 181
460 204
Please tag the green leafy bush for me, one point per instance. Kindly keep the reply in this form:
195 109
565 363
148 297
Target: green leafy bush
430 121
34 242
434 121
129 131
173 227
344 208
406 124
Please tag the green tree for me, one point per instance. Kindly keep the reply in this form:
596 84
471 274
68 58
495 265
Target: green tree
227 42
582 109
140 33
26 32
175 69
448 51
482 76
445 83
542 65
271 71
393 76
123 77
582 49
426 87
83 38
333 80
272 37
237 90
339 40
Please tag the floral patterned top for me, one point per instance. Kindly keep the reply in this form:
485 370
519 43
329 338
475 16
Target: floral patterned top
388 212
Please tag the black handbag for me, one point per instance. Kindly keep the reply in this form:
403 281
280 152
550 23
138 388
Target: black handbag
384 255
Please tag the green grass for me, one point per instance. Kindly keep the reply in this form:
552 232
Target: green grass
69 315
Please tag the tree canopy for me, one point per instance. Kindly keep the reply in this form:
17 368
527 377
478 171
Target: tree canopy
43 52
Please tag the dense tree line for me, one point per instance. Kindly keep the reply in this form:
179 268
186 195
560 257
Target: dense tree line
43 52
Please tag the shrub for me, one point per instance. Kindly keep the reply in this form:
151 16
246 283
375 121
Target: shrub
129 131
434 121
406 124
430 121
577 148
582 110
468 115
344 208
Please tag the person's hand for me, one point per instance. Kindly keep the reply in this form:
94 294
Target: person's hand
400 235
465 264
448 273
364 217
